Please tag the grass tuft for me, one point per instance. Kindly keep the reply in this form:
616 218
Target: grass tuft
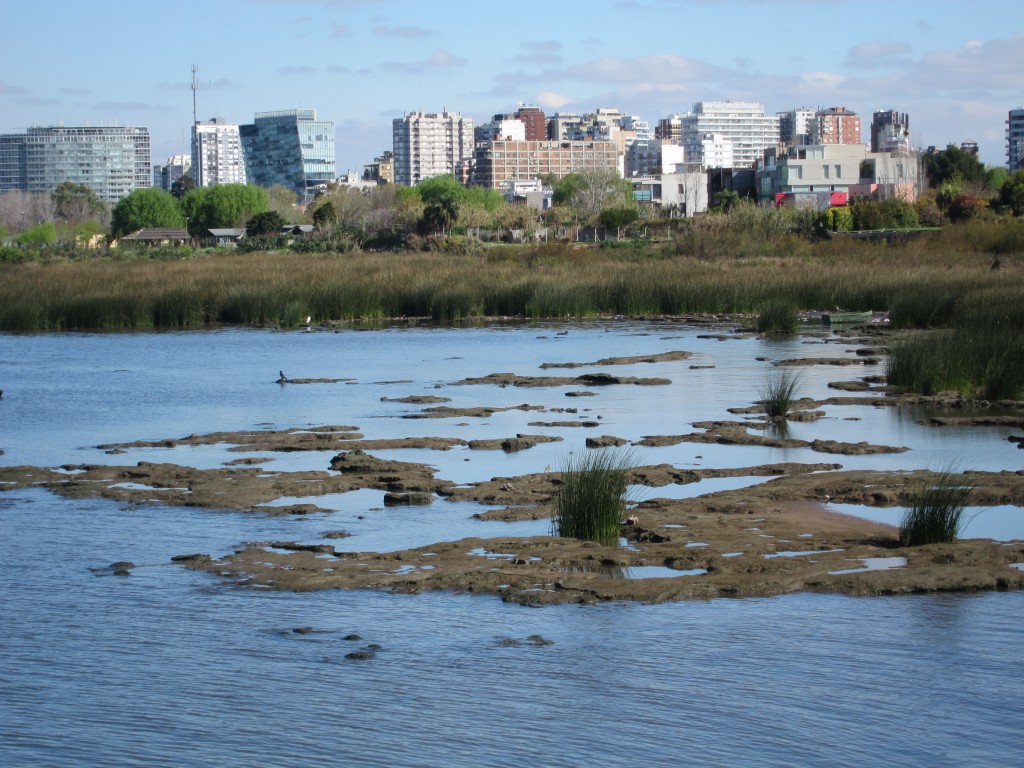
592 496
936 512
779 392
777 316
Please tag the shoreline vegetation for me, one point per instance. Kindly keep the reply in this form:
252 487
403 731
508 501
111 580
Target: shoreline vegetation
965 280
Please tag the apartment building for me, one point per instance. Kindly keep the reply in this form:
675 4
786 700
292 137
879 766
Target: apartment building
382 169
1015 140
217 156
796 125
291 148
836 125
428 144
501 162
890 131
743 123
112 161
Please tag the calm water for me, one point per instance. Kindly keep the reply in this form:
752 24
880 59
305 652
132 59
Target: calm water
169 667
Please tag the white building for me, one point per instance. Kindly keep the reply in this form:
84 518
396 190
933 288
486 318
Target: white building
1015 140
652 157
743 123
431 144
217 156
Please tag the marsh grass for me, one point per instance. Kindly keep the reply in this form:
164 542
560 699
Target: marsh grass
778 316
936 512
592 496
779 392
547 281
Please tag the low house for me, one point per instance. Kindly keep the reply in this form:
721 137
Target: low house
156 236
230 236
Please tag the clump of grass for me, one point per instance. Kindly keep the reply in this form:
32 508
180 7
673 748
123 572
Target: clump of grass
779 392
777 316
936 511
592 496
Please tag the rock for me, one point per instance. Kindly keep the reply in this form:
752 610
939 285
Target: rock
360 655
598 379
198 560
605 441
335 534
514 444
408 499
353 637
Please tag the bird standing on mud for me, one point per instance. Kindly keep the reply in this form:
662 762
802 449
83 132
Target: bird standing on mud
282 378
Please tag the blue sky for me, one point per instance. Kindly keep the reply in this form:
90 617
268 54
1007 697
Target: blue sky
956 67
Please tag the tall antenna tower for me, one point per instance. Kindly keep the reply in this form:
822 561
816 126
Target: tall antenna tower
195 87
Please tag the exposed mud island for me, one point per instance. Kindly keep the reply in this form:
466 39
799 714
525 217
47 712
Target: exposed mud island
774 537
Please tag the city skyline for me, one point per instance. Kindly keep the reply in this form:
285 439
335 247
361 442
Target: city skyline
362 63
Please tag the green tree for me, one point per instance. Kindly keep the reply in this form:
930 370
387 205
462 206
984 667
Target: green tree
591 191
77 202
954 163
264 224
152 207
616 218
183 185
438 188
285 201
1011 194
222 207
43 234
440 214
325 216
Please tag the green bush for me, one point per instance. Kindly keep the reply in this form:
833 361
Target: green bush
936 511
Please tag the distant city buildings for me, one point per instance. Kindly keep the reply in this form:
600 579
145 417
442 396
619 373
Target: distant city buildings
743 123
431 144
291 148
112 161
381 170
1015 140
796 126
217 153
165 175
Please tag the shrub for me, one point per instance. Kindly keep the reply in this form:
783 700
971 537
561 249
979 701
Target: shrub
965 208
936 510
591 497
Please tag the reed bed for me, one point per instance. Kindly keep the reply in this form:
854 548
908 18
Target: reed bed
936 512
591 496
547 281
778 316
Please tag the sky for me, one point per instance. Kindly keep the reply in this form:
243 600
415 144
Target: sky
956 68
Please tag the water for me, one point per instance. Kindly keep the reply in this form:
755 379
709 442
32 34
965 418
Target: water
171 667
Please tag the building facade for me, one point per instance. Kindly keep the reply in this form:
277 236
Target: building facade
428 144
1015 140
500 162
112 161
290 148
836 125
743 123
217 156
535 121
796 126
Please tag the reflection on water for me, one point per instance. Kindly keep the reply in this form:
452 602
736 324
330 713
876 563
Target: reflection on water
167 666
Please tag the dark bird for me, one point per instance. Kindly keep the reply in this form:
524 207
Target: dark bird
283 378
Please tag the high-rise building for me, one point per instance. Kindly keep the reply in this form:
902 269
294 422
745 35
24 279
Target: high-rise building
112 161
535 121
1015 140
836 125
165 175
217 153
890 131
796 126
743 123
670 129
428 144
291 148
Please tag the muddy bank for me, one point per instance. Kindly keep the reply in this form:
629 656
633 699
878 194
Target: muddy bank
662 357
591 379
769 539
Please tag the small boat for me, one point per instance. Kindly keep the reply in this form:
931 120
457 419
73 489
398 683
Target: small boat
830 318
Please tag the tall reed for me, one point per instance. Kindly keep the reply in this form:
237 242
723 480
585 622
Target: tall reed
936 511
778 315
592 496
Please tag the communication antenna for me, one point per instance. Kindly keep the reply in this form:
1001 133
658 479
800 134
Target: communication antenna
195 87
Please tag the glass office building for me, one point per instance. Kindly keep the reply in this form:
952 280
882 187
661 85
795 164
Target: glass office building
112 161
291 148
